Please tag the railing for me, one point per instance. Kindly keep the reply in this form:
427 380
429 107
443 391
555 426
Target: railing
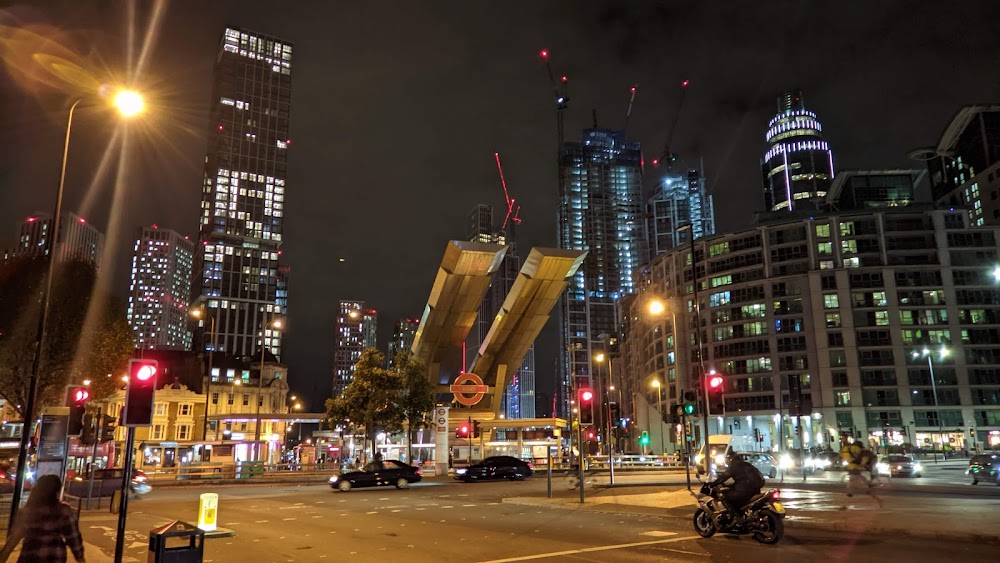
240 471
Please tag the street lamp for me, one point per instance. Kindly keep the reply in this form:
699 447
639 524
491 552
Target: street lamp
926 353
274 324
128 108
200 313
656 307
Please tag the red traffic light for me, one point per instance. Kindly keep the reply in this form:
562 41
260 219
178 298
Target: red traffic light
586 395
714 381
145 372
80 395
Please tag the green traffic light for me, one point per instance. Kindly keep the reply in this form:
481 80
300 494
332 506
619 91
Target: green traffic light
688 408
644 439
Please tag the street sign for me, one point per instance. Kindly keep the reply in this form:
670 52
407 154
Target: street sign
468 389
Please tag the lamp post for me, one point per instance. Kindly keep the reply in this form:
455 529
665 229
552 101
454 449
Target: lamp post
128 103
926 353
201 313
275 324
659 409
697 335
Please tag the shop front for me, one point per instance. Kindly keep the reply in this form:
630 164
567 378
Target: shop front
947 442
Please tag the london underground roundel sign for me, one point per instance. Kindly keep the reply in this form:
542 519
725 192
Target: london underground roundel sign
468 389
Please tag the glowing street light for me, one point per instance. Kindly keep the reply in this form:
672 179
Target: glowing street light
996 274
656 307
129 103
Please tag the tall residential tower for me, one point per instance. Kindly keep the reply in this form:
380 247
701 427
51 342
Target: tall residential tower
354 330
798 166
78 239
600 208
680 199
242 206
160 291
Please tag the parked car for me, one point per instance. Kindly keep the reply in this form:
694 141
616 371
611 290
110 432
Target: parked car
765 463
900 466
378 474
984 468
496 467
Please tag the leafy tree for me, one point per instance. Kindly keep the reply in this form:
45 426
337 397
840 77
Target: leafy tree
371 399
87 336
417 395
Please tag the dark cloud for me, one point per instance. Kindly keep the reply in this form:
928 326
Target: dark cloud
398 107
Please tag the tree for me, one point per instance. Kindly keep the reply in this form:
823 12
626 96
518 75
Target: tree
86 333
417 397
372 398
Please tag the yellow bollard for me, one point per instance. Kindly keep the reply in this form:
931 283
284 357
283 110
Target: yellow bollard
208 511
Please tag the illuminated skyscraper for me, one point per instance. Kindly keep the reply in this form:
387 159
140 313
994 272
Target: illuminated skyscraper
600 207
402 337
242 206
680 199
354 330
160 292
519 396
798 165
78 240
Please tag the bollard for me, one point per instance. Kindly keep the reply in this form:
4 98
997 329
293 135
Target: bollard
208 511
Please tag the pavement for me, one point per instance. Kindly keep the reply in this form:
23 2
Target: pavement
914 512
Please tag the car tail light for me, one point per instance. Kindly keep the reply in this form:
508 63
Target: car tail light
418 472
531 466
775 495
139 478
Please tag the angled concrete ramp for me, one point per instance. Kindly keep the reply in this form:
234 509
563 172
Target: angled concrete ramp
524 312
462 279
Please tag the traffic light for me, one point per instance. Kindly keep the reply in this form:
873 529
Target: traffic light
616 414
139 393
690 403
108 426
586 406
475 428
76 399
757 437
644 438
972 432
88 434
716 402
590 434
462 431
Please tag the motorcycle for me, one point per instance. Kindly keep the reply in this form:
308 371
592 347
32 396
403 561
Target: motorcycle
761 517
139 484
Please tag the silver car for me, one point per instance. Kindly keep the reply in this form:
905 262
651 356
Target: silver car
765 463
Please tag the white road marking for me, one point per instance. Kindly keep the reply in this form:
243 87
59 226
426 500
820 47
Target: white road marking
372 512
287 519
590 549
468 505
659 534
260 522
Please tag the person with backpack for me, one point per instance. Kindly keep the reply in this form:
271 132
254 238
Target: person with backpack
859 460
747 482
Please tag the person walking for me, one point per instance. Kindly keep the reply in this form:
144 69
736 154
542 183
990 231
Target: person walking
46 525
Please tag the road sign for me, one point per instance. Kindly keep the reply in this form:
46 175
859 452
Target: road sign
468 389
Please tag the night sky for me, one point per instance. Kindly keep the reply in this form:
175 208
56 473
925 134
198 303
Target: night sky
398 107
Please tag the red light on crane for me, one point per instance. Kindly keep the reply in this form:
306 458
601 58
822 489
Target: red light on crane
544 53
684 83
564 79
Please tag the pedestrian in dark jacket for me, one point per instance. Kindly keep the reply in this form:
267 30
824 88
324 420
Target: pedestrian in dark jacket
46 525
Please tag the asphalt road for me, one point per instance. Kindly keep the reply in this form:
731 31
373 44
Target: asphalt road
445 520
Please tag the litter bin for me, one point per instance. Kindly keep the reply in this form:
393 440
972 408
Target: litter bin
177 542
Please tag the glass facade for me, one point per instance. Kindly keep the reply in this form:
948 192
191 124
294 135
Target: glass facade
160 290
600 207
243 196
680 200
355 328
798 165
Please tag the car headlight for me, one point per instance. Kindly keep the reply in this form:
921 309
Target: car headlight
461 471
333 479
720 459
882 467
29 475
698 458
918 467
786 461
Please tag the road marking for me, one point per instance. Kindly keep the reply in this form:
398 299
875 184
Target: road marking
448 506
591 549
317 516
372 512
659 534
287 519
468 505
397 510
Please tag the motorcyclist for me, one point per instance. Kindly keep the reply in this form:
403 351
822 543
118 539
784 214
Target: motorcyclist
747 482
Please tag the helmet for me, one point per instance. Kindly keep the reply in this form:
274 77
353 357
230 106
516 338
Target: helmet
731 456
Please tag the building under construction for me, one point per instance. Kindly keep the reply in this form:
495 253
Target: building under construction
600 211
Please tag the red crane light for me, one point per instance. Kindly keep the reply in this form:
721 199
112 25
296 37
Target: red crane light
684 83
564 79
544 53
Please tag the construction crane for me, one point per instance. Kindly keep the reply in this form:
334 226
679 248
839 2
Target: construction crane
559 92
631 100
668 156
512 210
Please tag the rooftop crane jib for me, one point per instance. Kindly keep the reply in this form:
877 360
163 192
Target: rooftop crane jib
512 210
667 156
631 101
559 91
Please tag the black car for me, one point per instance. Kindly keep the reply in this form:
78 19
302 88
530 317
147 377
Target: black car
377 474
984 468
496 467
